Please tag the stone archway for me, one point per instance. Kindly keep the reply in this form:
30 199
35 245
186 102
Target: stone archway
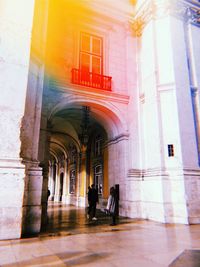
88 163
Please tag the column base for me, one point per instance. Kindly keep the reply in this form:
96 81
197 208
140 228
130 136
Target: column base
12 173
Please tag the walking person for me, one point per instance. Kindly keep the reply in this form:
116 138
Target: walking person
112 205
48 194
93 199
89 205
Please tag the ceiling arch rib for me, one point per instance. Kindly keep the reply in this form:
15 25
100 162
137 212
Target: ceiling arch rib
107 114
53 154
59 148
63 140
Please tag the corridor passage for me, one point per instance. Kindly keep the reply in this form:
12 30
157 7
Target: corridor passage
71 240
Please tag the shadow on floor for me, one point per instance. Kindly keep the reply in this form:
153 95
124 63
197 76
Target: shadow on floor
188 258
68 220
66 258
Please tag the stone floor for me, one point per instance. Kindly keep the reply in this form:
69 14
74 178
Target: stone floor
71 240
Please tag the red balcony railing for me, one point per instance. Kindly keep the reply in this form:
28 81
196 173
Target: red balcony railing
91 79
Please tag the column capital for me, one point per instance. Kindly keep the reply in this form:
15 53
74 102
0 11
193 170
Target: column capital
154 9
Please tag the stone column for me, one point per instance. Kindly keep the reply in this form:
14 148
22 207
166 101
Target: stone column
82 177
191 125
57 183
196 110
67 175
167 97
78 177
50 179
117 170
32 199
65 182
34 192
15 28
53 181
105 174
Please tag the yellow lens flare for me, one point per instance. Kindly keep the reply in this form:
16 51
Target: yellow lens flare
64 22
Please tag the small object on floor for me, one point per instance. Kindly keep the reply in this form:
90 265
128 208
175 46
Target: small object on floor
94 218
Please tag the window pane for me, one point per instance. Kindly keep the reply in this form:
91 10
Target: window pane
96 46
85 62
98 178
72 182
85 43
91 57
96 65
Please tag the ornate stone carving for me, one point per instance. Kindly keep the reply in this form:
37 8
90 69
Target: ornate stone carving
153 9
137 27
192 15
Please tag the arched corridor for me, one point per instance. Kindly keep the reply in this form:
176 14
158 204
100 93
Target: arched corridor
79 153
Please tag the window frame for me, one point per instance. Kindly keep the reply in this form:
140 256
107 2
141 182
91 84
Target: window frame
98 176
72 181
91 54
98 141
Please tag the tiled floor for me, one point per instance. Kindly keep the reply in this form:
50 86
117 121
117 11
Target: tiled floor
71 240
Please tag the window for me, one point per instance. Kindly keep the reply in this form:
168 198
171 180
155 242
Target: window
91 54
98 178
72 182
90 71
170 150
97 145
72 153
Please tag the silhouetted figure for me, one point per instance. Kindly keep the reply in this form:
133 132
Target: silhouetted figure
48 194
92 200
88 213
112 205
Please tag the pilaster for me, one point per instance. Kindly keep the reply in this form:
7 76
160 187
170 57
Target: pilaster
165 30
117 167
16 29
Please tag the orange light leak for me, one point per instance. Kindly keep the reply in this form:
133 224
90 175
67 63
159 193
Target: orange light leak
65 22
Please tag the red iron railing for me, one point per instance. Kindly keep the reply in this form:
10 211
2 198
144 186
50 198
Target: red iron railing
91 79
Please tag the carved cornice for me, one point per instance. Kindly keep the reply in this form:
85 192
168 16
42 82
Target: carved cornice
188 11
192 15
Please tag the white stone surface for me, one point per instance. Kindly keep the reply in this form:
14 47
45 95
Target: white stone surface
148 108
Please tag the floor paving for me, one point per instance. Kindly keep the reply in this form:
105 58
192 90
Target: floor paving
70 239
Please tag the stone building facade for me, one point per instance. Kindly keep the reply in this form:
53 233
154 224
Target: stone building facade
103 92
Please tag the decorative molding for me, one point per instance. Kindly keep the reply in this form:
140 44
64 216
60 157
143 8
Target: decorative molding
190 11
148 174
117 139
144 174
18 163
14 163
94 93
186 10
193 173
